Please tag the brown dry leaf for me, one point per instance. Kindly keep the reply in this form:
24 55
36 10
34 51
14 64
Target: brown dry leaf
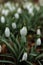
4 49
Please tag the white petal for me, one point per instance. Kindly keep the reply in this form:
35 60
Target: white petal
7 32
41 2
38 32
19 10
8 4
30 10
2 19
23 31
38 42
24 56
5 12
37 7
16 15
0 48
14 25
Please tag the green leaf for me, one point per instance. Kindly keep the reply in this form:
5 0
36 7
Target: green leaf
33 54
28 62
21 52
5 61
39 62
9 46
14 45
39 56
15 41
7 55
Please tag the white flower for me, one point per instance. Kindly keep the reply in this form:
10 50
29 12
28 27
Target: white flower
0 48
27 5
14 25
8 4
19 10
2 19
24 58
23 31
5 12
30 10
16 15
12 8
7 32
38 42
38 32
37 7
17 4
41 2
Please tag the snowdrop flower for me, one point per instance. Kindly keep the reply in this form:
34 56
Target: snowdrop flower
38 32
19 10
27 5
38 42
30 10
30 5
16 15
41 2
23 31
5 12
12 8
8 4
17 4
24 58
14 25
0 48
2 19
37 7
7 32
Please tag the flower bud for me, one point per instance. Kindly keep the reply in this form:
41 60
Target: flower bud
24 56
38 42
14 25
7 32
2 19
23 31
19 10
38 32
0 48
16 15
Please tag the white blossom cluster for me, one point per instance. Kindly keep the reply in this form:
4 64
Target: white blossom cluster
23 31
11 7
30 7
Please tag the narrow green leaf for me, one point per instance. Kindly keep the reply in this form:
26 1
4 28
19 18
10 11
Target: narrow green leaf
39 56
33 54
39 62
29 63
7 55
5 61
14 45
9 46
20 53
15 40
